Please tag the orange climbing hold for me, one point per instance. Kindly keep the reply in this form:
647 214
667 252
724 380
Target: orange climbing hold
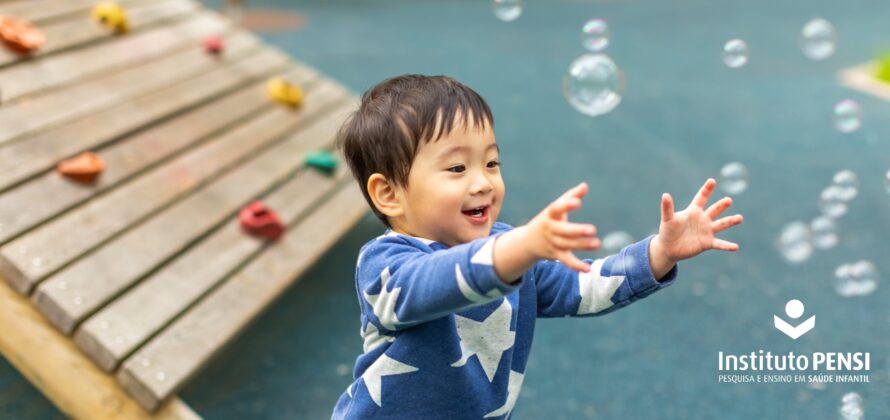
259 220
84 167
20 35
112 15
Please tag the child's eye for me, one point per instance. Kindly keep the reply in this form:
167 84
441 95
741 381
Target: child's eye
456 169
494 164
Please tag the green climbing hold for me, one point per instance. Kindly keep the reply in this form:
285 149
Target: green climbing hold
323 161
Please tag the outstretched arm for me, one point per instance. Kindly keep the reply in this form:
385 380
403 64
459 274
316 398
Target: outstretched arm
639 269
402 285
548 236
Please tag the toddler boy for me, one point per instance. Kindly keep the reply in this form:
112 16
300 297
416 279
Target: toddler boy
448 296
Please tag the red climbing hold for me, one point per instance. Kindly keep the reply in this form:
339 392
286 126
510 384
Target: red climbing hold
84 167
213 44
259 220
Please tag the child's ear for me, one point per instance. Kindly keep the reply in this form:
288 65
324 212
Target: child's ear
384 196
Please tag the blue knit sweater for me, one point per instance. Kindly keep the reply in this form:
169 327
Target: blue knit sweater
445 338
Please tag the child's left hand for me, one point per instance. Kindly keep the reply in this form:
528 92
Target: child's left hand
690 232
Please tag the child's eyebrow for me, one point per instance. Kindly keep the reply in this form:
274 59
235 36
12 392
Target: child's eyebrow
455 149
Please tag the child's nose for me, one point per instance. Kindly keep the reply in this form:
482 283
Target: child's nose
481 185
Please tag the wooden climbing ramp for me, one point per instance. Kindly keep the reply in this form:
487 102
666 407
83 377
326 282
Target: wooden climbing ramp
136 139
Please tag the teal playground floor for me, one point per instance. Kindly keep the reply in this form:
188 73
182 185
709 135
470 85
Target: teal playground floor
684 115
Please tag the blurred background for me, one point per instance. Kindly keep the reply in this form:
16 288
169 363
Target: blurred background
684 115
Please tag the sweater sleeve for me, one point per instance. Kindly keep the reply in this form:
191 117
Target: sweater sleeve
612 283
402 284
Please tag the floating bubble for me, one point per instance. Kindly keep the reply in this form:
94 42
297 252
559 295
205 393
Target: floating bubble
818 39
848 183
832 203
847 116
735 53
343 369
856 279
733 178
594 84
887 181
795 242
595 35
824 231
851 407
507 10
615 241
699 289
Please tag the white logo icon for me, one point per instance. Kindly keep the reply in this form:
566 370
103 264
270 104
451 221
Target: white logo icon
794 309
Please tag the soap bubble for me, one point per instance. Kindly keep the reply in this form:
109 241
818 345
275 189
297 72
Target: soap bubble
595 35
832 202
735 53
794 242
818 39
615 241
851 407
507 10
848 183
594 84
733 178
824 231
856 279
847 116
887 181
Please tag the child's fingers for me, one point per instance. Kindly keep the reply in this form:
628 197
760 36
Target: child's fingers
582 243
577 191
667 207
701 198
726 222
571 261
724 245
562 206
719 207
573 230
568 201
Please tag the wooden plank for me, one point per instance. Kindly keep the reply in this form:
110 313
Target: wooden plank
32 203
129 321
83 29
52 362
37 11
97 94
173 357
26 260
87 284
22 160
33 76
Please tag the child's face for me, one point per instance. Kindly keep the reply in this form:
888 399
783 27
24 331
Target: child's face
449 179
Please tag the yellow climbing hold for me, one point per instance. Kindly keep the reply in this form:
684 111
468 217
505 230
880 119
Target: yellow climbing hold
280 90
112 15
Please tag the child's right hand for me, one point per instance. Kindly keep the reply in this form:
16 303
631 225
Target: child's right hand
550 235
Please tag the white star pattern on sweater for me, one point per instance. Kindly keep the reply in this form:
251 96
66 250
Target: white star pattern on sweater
512 394
373 338
383 366
487 339
384 303
596 292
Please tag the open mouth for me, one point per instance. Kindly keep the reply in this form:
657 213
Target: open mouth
478 215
